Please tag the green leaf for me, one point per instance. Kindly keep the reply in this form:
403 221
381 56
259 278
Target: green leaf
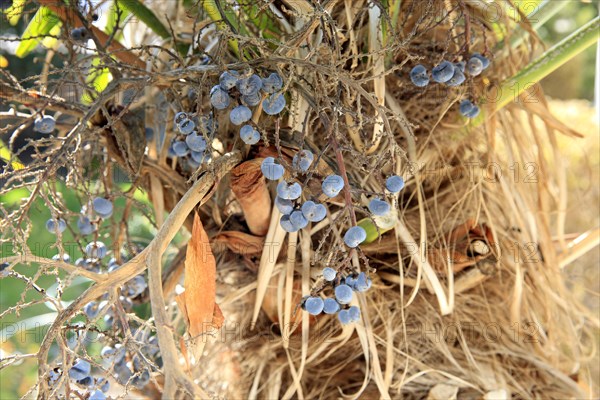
51 41
14 12
263 20
111 22
7 157
537 16
40 25
99 79
548 62
146 15
223 22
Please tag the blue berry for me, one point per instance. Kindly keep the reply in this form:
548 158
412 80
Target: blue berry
286 224
46 124
228 79
4 272
179 118
219 98
65 257
195 142
97 395
332 185
302 160
200 156
468 109
298 220
330 306
355 236
418 76
103 207
460 66
91 310
80 370
272 83
329 274
76 34
249 135
54 226
88 381
187 126
252 99
123 373
474 66
274 104
314 212
465 107
344 317
394 183
350 281
171 152
250 85
343 294
284 206
140 381
473 113
181 148
290 191
136 286
239 115
84 225
108 353
53 377
443 72
103 384
271 170
484 60
379 207
191 164
354 313
362 283
313 305
457 79
96 249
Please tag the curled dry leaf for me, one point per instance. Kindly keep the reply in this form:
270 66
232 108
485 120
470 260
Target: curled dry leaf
250 188
240 242
469 243
197 302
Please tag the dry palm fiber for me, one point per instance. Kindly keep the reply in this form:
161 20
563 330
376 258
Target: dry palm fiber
503 322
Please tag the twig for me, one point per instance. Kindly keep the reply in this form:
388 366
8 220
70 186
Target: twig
172 370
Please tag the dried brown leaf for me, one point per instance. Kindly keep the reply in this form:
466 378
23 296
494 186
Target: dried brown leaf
250 188
198 300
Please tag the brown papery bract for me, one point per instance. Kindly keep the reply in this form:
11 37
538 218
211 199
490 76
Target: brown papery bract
250 188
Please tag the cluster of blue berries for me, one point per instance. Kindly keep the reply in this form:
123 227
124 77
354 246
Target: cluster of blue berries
133 371
190 144
80 373
95 252
453 74
45 124
80 34
295 216
250 91
103 208
344 288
